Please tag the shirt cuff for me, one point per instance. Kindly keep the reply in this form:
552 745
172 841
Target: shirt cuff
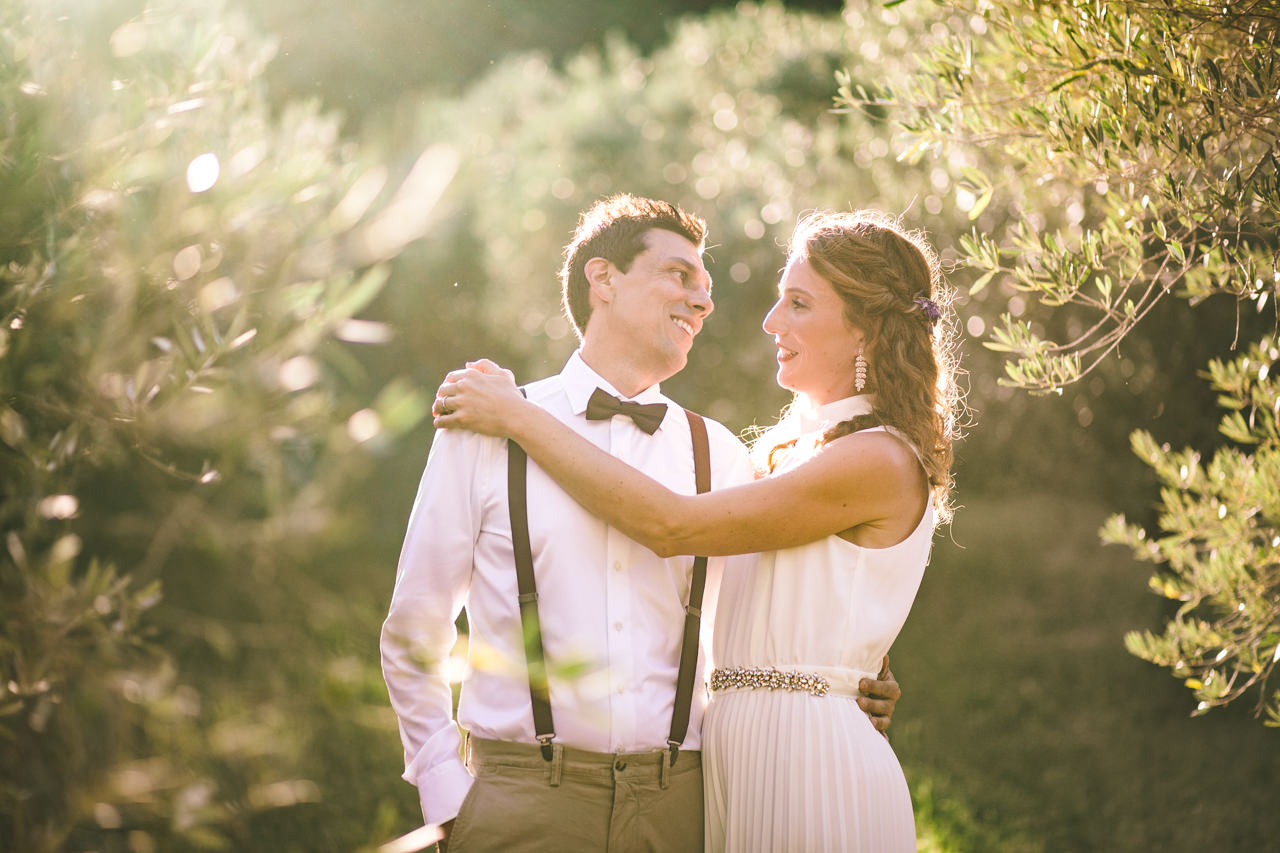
442 791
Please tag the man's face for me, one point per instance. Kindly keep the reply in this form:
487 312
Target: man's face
656 308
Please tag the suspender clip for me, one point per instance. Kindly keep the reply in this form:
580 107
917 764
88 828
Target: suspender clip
545 742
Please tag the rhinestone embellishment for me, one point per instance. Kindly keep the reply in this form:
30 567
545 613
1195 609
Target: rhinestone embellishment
759 678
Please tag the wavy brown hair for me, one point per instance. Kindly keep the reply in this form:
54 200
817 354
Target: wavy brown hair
894 291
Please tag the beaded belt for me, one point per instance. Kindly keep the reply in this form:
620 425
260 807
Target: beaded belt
758 678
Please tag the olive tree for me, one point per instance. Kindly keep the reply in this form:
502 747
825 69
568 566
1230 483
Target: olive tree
1152 125
183 270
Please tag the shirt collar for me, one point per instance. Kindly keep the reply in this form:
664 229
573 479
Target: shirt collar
822 418
580 380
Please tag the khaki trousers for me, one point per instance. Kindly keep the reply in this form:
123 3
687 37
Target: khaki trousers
615 803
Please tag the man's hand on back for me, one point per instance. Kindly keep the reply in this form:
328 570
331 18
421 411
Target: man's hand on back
880 696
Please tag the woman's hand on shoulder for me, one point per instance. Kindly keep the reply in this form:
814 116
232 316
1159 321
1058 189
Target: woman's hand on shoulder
481 397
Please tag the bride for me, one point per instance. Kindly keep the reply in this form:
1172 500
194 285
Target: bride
853 480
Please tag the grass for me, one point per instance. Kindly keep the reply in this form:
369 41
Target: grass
1025 725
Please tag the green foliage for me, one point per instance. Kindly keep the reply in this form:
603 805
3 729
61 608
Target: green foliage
1154 127
1033 719
1219 543
179 416
1155 123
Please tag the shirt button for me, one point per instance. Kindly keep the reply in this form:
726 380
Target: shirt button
617 566
617 626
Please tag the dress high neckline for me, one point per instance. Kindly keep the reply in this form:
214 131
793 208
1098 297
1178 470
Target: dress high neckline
822 418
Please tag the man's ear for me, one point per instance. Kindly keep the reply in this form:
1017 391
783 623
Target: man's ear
599 274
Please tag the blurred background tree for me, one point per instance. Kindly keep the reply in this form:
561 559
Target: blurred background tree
181 412
1157 124
364 58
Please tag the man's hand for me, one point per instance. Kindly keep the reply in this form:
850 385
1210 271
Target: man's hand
880 696
445 828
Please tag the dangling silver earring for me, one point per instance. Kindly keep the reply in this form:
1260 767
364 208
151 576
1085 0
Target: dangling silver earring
859 373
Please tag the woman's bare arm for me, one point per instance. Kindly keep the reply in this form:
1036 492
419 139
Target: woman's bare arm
862 479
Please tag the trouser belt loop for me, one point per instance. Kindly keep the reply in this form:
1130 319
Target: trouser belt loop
557 765
664 768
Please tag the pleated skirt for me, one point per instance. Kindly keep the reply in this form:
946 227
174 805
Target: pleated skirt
793 772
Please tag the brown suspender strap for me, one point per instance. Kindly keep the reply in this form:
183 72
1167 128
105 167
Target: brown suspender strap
517 500
693 613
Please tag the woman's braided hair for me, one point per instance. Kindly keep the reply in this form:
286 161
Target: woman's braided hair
894 291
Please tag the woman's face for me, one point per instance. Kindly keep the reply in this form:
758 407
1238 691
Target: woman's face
816 344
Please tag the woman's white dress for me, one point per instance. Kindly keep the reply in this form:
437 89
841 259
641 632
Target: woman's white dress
790 771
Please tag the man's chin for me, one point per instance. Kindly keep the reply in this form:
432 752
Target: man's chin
678 362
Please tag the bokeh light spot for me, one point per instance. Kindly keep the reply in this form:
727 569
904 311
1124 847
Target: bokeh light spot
299 372
364 425
129 39
202 172
355 331
562 188
533 220
59 506
674 173
186 263
773 212
218 293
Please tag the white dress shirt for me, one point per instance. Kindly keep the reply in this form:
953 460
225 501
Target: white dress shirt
611 610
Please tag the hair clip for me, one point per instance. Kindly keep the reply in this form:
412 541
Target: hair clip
927 306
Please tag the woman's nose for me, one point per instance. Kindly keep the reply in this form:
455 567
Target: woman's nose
770 324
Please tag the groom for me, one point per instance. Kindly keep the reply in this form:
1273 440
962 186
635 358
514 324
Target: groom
596 770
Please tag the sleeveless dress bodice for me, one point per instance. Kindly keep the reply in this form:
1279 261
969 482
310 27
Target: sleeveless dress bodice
792 771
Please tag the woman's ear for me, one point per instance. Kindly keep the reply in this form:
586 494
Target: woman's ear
870 332
599 274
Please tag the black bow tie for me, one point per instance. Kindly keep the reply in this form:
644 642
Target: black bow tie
647 416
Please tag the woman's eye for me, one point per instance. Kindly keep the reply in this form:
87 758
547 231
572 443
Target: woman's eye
796 303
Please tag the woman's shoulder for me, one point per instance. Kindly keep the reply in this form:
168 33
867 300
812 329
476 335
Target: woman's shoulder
875 456
881 441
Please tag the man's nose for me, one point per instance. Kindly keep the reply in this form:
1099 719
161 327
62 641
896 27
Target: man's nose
700 299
